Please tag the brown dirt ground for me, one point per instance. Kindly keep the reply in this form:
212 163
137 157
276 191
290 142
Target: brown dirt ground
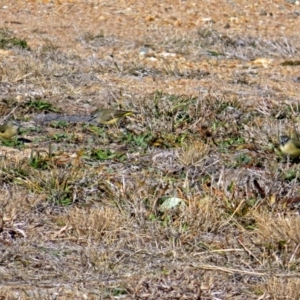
231 69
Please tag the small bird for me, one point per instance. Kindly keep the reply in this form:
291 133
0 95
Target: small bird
289 146
9 130
108 116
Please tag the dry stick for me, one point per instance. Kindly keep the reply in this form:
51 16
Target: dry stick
231 217
249 252
232 270
12 111
293 255
19 78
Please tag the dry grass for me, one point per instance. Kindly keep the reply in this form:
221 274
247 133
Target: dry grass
83 208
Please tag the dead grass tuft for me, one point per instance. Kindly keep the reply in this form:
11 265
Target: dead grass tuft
95 223
282 288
